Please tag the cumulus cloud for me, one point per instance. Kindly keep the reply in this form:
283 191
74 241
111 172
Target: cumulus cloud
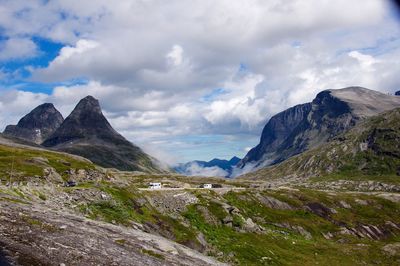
166 70
17 48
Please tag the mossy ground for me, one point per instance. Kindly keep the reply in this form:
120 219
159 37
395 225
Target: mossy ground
277 245
19 163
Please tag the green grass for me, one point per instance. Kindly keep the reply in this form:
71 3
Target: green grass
153 254
280 246
23 164
124 208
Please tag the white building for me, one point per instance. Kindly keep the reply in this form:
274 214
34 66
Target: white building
155 185
207 185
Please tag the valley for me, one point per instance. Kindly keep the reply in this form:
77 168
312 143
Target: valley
335 203
108 218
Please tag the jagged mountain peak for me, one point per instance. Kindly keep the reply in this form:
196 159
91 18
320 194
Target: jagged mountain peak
309 125
37 125
86 132
89 103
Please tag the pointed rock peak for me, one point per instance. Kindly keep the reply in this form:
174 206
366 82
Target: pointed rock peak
45 106
37 125
42 109
89 103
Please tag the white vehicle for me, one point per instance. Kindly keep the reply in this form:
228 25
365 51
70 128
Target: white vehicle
207 185
155 185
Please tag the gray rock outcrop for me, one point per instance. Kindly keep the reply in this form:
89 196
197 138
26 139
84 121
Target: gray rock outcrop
36 126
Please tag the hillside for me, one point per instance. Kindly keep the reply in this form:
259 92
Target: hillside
370 150
110 218
310 125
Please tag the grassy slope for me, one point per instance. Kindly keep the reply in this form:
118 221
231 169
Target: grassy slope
279 244
349 156
26 162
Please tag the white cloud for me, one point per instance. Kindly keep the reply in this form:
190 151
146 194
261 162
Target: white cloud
17 48
163 70
194 169
68 52
175 56
366 61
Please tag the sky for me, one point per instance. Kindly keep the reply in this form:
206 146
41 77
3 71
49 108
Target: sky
196 79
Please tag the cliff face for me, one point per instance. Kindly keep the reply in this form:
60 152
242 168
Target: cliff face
276 131
36 126
369 150
309 125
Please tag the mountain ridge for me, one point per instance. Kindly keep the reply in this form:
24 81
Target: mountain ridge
370 149
87 133
225 165
37 125
309 125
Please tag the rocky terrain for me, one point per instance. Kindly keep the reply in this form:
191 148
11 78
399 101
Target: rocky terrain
109 218
38 125
307 126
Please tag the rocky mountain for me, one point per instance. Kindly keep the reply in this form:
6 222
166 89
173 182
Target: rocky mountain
225 165
370 150
309 125
86 132
36 126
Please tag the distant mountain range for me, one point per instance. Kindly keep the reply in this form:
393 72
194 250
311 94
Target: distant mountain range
307 126
85 132
203 167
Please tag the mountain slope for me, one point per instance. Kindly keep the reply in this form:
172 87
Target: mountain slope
86 132
36 126
370 150
307 126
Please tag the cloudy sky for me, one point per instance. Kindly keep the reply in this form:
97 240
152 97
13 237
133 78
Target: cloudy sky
191 79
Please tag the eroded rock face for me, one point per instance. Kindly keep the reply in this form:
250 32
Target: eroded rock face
309 125
276 131
38 125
